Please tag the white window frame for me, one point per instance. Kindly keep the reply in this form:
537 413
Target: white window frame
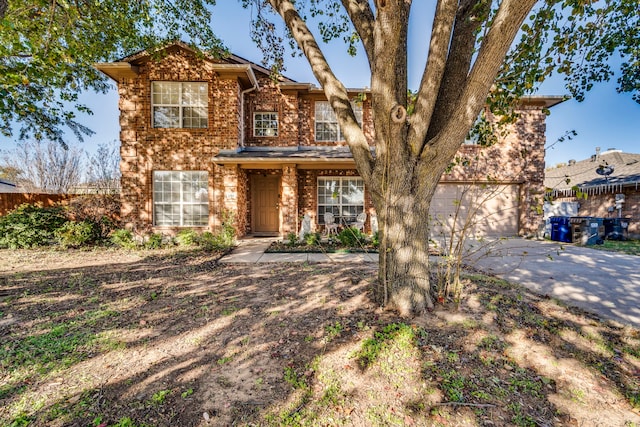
175 95
265 124
178 195
326 117
334 195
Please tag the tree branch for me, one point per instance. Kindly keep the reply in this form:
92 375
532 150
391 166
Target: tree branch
334 90
363 19
433 73
458 62
493 50
4 5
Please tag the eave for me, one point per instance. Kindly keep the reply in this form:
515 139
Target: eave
118 70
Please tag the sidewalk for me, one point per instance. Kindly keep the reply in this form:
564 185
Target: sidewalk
251 251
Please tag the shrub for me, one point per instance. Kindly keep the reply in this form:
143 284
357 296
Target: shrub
30 225
292 239
312 239
351 237
75 234
187 237
101 209
375 239
154 241
123 238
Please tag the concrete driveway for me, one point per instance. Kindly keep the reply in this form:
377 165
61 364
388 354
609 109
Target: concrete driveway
605 283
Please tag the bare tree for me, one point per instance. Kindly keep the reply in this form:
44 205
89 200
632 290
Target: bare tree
46 166
103 170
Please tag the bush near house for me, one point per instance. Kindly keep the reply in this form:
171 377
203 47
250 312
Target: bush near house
93 220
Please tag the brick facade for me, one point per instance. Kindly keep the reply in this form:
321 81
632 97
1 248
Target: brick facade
232 104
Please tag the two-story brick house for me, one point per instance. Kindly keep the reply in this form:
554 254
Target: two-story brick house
201 137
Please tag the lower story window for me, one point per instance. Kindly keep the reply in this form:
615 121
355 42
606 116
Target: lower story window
342 196
181 198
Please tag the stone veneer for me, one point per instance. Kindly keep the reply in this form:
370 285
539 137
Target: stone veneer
518 159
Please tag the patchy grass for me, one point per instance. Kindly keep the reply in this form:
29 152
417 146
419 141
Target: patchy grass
630 247
118 338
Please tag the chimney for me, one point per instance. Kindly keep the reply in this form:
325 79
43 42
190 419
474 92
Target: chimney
597 153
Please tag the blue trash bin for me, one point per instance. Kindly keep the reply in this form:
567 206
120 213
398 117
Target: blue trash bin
560 229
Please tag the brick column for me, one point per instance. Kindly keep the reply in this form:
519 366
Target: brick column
230 193
289 200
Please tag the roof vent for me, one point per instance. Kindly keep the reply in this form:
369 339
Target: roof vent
572 162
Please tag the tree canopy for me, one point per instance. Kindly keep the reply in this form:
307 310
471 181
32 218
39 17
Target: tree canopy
47 51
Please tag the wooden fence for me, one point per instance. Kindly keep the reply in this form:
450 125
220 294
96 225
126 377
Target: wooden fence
10 201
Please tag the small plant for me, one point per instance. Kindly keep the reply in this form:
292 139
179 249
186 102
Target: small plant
160 397
375 239
187 237
292 377
188 392
154 241
351 237
312 239
292 239
123 238
75 234
333 331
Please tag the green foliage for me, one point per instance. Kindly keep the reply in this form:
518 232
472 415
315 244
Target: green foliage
292 239
48 50
375 239
30 226
123 238
75 234
351 237
381 340
187 237
296 381
160 397
228 233
312 239
154 241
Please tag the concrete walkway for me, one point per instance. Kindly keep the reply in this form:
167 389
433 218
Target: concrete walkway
252 251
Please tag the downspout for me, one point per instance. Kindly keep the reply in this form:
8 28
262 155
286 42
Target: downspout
242 94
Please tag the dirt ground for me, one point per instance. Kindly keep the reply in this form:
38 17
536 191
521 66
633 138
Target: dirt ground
172 338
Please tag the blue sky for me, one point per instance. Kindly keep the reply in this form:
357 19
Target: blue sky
605 119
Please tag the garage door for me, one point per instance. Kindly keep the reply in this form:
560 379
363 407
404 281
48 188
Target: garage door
486 210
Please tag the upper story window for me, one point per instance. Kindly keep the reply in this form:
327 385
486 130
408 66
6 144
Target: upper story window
265 124
179 104
327 127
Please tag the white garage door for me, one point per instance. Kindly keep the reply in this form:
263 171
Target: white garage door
486 210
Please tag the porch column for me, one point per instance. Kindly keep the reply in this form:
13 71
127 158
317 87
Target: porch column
230 194
289 199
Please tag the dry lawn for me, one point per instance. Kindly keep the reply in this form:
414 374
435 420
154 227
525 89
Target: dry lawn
172 338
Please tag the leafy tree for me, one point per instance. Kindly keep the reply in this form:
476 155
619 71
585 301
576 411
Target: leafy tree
47 49
473 62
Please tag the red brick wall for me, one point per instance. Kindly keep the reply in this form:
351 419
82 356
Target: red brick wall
597 205
145 149
516 158
519 158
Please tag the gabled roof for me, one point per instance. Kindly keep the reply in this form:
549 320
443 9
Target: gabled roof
623 169
225 65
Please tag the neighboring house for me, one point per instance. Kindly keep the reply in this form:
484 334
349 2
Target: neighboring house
201 137
8 187
606 185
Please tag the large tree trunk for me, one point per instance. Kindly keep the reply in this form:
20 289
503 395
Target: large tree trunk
412 152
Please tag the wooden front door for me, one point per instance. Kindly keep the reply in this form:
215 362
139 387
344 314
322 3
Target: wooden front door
265 206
